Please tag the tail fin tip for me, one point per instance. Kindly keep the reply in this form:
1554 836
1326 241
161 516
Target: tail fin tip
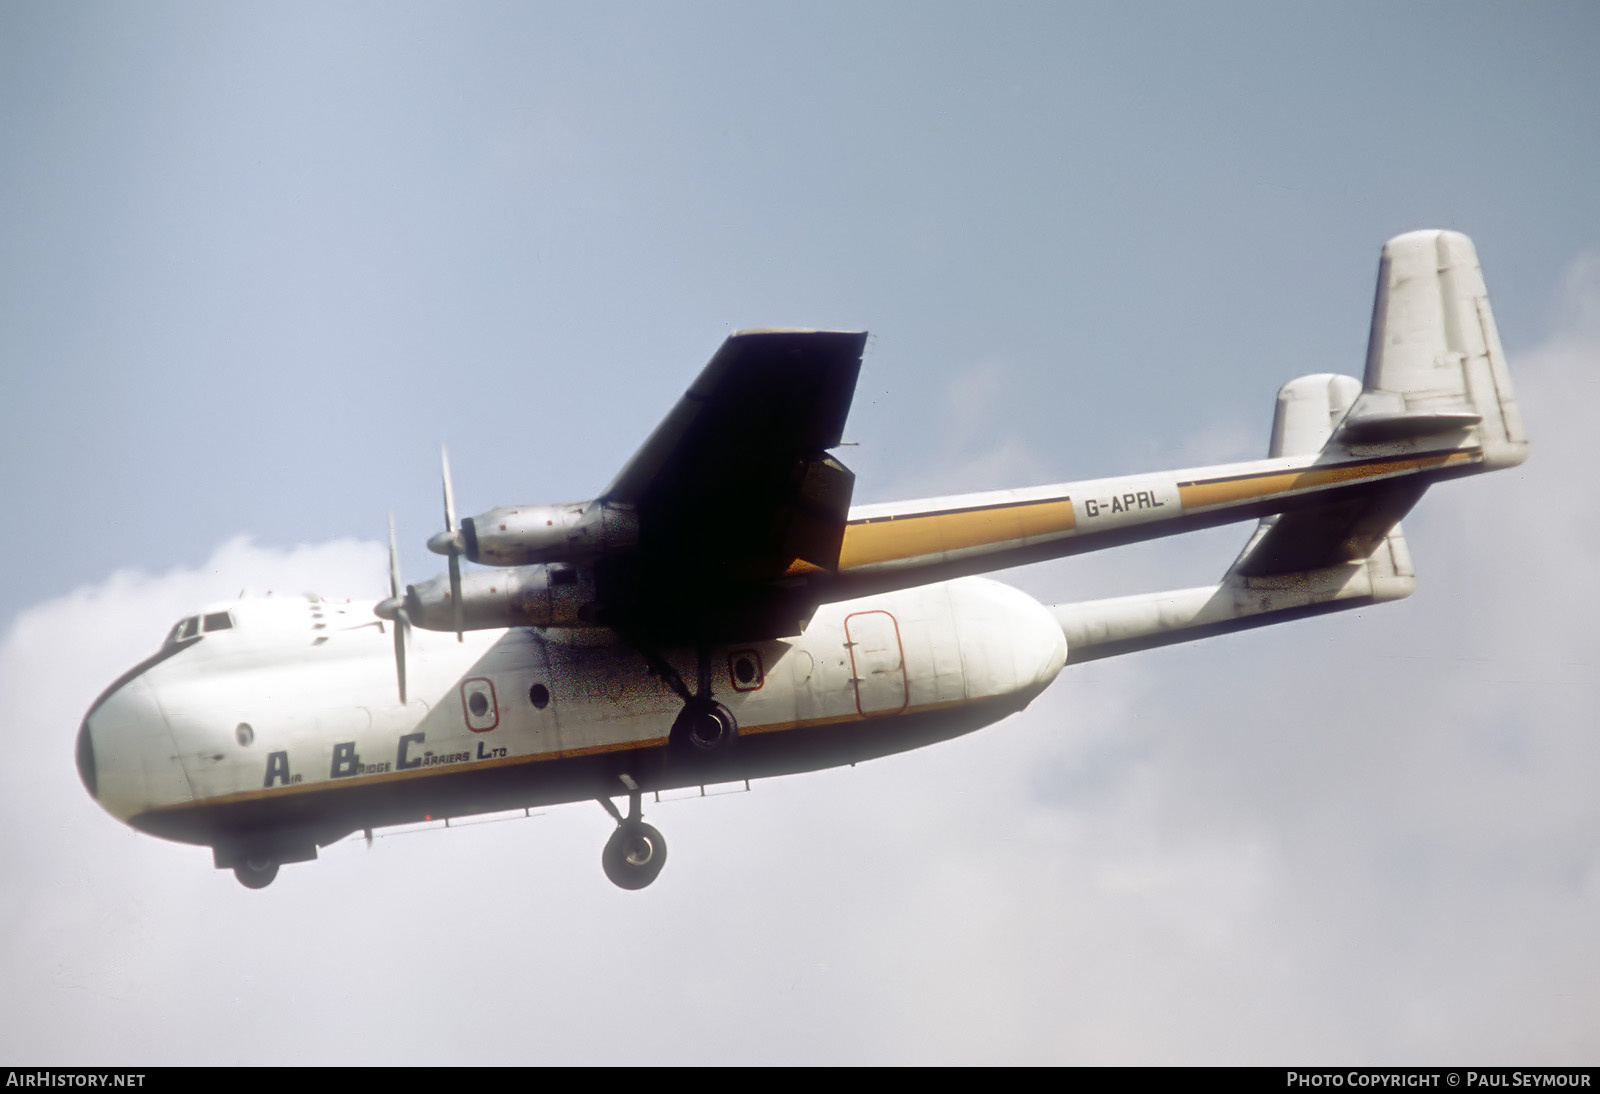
1435 364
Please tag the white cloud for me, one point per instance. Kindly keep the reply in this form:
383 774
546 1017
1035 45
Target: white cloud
1368 837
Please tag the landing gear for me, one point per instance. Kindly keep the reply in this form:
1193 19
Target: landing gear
254 857
636 851
255 871
704 725
634 855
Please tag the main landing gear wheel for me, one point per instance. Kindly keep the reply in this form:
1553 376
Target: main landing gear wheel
255 872
704 726
634 855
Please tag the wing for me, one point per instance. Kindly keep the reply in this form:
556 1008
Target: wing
736 495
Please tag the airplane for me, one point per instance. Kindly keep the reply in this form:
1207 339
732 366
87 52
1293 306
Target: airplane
720 612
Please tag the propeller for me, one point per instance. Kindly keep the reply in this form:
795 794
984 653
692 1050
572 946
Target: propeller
451 541
394 609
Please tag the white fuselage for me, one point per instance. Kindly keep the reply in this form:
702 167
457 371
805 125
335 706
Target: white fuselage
292 716
268 728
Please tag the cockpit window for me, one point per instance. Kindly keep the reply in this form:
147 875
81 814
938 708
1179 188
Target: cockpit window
218 621
184 630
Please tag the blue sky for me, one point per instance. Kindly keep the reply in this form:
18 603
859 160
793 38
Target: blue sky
262 259
257 261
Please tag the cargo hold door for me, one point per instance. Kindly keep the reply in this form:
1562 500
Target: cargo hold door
877 663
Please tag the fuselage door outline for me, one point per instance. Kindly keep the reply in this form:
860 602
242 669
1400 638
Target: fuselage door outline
877 663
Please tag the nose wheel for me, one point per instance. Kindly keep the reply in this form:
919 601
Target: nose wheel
255 871
634 856
636 851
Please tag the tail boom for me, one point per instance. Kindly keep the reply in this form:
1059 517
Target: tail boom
1106 628
887 546
1348 458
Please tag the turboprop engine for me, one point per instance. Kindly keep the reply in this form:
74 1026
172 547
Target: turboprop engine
524 534
528 596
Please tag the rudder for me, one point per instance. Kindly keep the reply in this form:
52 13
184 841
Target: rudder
1435 370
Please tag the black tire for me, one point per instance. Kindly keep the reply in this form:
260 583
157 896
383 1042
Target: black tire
255 873
704 727
634 855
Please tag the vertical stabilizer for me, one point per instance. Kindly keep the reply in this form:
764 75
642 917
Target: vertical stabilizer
1436 373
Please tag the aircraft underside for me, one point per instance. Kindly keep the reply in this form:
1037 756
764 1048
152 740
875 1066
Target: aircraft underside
293 827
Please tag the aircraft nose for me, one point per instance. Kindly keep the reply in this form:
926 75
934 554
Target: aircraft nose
116 723
85 755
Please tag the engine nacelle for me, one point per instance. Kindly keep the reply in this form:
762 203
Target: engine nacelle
529 596
524 534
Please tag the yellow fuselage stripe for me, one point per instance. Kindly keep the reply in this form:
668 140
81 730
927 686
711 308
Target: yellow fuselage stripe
886 539
1201 495
921 535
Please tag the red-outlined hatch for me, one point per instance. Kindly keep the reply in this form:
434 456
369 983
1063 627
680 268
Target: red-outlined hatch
478 705
877 663
745 670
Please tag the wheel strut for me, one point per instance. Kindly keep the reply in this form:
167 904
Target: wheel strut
703 725
703 656
635 812
661 667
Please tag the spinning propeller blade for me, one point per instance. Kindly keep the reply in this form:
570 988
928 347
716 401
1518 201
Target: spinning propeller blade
397 604
449 495
454 540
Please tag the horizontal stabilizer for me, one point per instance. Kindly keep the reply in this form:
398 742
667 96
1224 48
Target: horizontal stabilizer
1327 534
1406 426
1343 528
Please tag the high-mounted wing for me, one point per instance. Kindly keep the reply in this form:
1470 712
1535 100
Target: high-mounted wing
735 492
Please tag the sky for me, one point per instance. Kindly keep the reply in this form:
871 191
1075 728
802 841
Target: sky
258 261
